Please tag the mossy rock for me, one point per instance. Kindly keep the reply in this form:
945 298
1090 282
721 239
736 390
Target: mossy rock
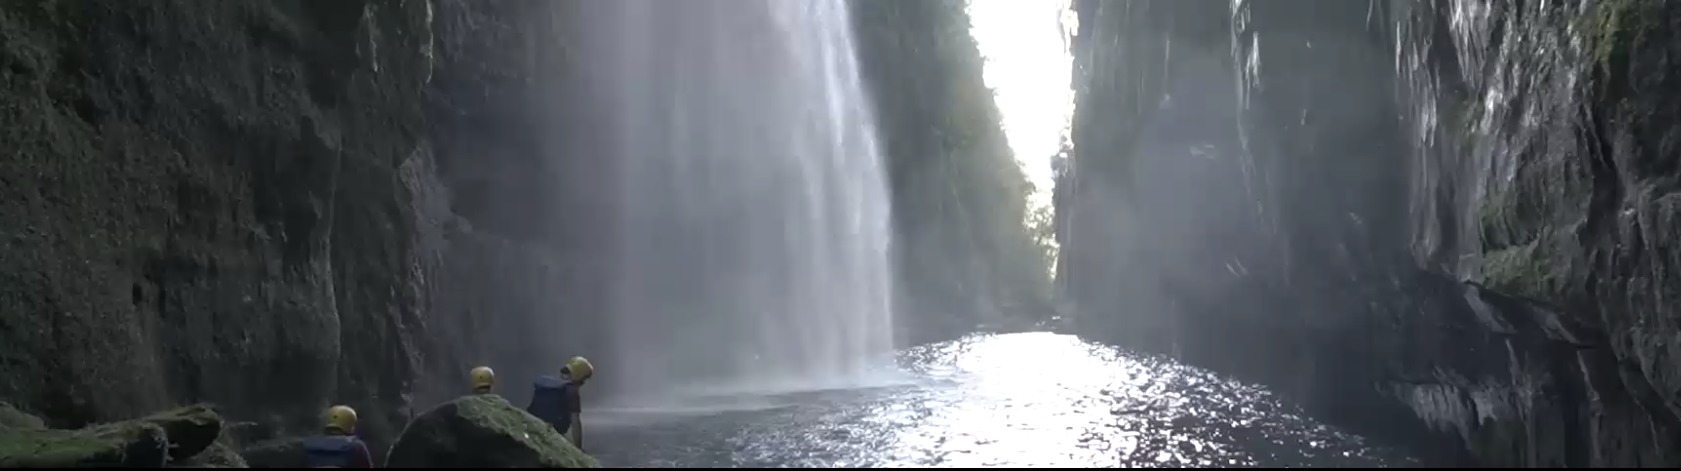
134 444
11 418
1536 270
483 431
190 429
1612 27
150 441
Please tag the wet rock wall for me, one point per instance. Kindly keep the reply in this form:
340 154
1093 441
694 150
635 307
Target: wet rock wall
1436 214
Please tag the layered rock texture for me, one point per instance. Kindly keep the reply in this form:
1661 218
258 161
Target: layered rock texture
259 204
1455 215
201 203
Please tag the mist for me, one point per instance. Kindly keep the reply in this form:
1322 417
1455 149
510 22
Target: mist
750 194
719 216
797 233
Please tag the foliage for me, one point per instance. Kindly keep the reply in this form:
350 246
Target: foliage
966 256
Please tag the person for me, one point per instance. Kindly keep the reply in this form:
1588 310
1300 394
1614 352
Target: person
338 447
483 378
558 402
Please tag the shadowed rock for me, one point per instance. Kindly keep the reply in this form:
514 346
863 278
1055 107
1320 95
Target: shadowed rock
190 429
483 431
278 453
218 455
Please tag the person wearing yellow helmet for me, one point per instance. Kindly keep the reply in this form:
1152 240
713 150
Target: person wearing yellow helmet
337 446
483 378
558 401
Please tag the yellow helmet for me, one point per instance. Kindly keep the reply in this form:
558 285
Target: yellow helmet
579 369
341 419
483 377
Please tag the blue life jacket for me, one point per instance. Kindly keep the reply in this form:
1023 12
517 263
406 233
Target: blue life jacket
329 451
548 402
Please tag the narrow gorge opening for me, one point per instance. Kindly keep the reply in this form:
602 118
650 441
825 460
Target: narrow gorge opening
1029 66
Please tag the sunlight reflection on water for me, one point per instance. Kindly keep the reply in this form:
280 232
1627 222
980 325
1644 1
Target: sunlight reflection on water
1016 400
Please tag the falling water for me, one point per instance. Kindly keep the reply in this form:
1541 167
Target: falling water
753 221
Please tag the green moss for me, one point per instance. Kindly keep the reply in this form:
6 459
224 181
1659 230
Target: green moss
123 444
1612 27
1525 270
178 433
1495 215
496 412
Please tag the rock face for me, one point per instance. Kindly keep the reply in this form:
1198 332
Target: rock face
202 204
483 431
510 201
1449 214
258 204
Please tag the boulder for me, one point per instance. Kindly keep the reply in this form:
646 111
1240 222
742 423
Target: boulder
483 431
190 429
133 444
277 453
218 455
11 418
147 442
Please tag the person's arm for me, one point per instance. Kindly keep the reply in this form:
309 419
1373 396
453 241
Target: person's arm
577 432
575 408
363 458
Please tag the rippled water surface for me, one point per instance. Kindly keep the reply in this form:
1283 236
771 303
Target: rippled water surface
1015 400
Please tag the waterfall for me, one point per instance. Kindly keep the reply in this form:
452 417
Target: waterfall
753 217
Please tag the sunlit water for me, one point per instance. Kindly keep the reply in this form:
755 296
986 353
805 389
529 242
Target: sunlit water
1014 400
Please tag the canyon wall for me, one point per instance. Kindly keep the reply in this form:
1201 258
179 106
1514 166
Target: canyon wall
1425 215
201 202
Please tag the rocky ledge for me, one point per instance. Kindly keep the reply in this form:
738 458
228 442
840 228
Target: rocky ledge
185 437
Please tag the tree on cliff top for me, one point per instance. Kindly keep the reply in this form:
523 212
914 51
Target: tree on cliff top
965 253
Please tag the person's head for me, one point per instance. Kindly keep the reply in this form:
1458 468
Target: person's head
578 370
483 378
341 420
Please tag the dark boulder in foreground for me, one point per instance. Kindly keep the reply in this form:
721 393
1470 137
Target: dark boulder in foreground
218 455
483 431
150 442
277 453
191 430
